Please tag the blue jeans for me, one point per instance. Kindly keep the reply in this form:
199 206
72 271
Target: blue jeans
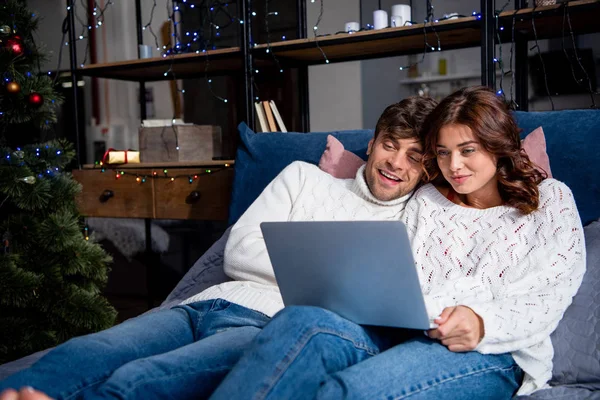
179 353
308 352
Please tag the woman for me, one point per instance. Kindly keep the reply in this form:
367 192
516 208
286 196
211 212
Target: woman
500 253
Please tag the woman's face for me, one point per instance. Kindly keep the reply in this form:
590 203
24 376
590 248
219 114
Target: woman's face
464 163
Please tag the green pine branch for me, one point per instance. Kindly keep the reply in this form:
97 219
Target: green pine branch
79 304
18 286
59 231
89 262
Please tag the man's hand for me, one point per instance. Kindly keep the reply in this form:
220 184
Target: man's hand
459 329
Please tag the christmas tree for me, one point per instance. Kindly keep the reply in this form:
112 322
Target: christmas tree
51 273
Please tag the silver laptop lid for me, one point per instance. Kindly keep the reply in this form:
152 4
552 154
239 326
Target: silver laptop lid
362 270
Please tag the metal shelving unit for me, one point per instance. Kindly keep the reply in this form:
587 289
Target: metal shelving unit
303 52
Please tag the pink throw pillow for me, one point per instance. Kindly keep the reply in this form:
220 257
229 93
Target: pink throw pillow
344 164
534 145
338 162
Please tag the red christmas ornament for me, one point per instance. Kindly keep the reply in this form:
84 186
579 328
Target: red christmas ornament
36 99
15 44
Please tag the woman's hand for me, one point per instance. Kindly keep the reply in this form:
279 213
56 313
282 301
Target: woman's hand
459 329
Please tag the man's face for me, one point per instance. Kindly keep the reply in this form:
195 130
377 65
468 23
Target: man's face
394 166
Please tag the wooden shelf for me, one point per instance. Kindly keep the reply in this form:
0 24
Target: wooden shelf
453 34
186 164
548 20
182 66
457 33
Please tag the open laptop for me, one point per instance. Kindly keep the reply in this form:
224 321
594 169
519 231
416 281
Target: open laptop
362 270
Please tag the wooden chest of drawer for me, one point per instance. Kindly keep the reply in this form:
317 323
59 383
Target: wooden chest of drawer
207 197
103 195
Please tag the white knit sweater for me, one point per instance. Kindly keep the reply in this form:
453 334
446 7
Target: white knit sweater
517 272
301 192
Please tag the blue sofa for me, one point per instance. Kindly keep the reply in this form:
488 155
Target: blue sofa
573 142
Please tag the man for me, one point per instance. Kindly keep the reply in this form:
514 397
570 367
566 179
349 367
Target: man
186 351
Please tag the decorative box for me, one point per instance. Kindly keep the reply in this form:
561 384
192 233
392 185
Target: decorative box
179 143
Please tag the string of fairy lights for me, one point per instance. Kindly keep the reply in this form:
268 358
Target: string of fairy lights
217 15
574 60
268 15
592 93
170 176
183 42
45 156
96 15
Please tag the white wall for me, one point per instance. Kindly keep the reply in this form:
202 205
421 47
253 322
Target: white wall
380 76
335 90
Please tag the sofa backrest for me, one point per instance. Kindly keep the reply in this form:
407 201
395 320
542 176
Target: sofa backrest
573 145
572 139
262 156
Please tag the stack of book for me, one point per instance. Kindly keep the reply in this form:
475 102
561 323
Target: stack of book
269 117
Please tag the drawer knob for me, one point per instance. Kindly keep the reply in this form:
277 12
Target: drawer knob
106 195
193 197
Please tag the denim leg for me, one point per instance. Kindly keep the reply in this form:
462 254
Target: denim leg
86 361
295 353
422 368
192 371
80 367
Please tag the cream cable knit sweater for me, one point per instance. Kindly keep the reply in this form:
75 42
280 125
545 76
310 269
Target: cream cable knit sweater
519 273
301 192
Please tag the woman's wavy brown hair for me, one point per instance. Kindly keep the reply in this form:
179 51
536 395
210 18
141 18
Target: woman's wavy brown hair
491 122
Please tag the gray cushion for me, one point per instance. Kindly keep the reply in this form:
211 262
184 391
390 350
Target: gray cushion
577 338
206 272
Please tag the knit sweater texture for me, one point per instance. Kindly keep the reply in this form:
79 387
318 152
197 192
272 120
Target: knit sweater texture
301 192
518 272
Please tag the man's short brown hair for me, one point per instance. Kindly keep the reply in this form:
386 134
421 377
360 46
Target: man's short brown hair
404 120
